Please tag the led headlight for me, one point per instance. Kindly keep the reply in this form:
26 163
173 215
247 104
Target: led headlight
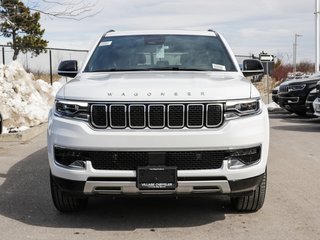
78 110
297 87
239 108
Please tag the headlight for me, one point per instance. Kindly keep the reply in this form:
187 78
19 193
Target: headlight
296 87
77 110
239 108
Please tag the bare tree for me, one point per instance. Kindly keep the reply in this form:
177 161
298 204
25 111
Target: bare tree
68 9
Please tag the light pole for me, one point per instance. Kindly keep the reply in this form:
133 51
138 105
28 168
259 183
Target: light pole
317 11
295 53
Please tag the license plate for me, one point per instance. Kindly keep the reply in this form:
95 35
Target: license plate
154 178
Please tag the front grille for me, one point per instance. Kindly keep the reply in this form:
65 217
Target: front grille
155 116
318 89
183 160
283 89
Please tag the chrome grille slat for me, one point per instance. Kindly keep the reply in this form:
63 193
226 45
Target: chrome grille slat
195 115
214 114
283 89
99 115
118 118
176 115
156 115
137 116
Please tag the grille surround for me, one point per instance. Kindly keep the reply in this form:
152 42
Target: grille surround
171 115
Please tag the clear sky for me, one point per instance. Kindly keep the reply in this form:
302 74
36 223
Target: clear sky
249 26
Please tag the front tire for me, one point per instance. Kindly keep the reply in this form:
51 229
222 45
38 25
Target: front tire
65 202
254 202
301 113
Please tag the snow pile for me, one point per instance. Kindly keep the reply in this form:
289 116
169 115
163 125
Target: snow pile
273 107
24 102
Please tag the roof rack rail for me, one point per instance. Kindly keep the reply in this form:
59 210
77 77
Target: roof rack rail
111 30
210 30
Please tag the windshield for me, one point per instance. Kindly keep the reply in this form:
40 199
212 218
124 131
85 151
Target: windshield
160 52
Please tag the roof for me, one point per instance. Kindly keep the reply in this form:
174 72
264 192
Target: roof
156 32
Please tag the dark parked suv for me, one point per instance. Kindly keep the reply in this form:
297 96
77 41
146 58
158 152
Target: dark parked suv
294 93
275 94
0 123
316 103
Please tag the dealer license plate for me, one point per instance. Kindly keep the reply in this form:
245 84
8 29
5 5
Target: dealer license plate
154 178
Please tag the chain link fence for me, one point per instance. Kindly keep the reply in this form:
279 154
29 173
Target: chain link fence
45 63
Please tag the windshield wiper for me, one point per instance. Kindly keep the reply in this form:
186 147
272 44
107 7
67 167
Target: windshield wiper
149 69
173 69
117 70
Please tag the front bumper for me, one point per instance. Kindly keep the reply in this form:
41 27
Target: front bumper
316 106
128 187
233 134
309 103
292 104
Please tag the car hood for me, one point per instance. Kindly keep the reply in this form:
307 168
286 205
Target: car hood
312 79
157 86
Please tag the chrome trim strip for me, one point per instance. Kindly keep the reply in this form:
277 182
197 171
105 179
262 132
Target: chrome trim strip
144 116
125 115
164 116
164 149
183 115
293 101
202 116
221 117
91 119
129 187
70 102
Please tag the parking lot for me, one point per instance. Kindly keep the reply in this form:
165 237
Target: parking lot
291 210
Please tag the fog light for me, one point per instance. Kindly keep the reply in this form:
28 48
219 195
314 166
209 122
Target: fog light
78 164
243 157
71 158
235 163
230 116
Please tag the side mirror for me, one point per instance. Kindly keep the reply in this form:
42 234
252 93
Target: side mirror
68 68
252 67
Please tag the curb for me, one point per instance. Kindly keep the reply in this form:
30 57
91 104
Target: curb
276 110
24 135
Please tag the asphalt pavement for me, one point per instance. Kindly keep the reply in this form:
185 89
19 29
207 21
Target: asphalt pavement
291 210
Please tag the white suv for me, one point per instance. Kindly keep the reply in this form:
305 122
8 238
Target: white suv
159 112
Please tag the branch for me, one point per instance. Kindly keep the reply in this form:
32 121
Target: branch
71 9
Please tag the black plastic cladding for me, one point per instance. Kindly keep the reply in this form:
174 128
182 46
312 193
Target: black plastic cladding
126 160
